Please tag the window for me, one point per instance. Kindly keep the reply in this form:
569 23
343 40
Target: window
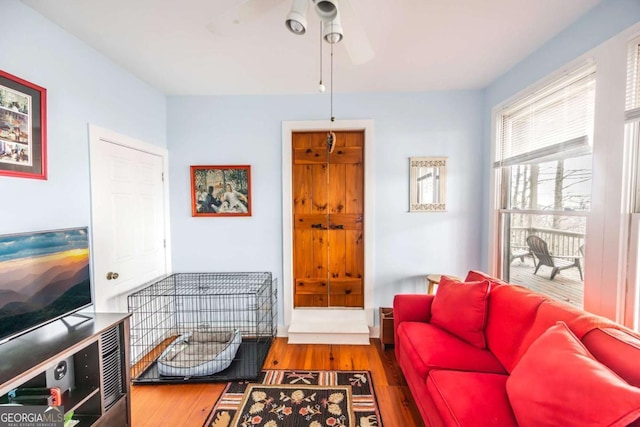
543 171
632 104
632 136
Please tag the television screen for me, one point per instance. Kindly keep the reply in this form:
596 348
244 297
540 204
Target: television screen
43 276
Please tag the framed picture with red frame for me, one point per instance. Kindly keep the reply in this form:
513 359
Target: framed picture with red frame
23 128
221 190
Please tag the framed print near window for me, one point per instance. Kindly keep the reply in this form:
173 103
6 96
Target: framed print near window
23 128
221 190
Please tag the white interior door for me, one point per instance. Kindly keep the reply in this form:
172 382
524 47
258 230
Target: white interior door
128 211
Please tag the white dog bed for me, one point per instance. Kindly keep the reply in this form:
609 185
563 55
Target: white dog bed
199 353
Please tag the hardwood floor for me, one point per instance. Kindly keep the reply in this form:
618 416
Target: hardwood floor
189 404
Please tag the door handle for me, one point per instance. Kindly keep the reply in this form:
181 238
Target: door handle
112 276
337 227
319 226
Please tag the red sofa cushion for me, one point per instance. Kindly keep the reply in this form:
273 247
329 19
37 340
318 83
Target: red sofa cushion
548 314
470 398
617 349
476 276
410 308
512 310
558 382
426 347
461 308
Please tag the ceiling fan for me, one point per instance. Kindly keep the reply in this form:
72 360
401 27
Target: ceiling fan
340 22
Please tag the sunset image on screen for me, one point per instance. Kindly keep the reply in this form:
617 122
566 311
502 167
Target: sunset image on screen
42 276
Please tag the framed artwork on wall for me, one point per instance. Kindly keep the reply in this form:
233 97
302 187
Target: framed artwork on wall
23 128
221 190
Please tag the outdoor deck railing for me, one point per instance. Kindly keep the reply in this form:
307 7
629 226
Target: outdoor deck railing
560 243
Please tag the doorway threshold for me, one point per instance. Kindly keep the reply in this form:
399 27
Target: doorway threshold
329 326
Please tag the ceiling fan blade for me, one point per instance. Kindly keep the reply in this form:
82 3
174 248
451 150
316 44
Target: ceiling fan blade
355 38
244 12
251 10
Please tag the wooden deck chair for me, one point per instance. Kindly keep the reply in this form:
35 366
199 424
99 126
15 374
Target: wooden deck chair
541 256
519 252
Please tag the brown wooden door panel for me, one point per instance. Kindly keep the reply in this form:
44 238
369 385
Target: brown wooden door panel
337 255
337 189
342 155
328 208
311 221
355 254
354 197
345 222
303 265
311 301
353 139
312 286
346 301
319 194
310 155
304 140
301 189
345 287
346 293
320 254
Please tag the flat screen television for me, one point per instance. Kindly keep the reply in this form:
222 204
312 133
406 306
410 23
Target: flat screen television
43 277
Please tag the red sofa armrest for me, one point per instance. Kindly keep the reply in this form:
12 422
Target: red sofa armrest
411 308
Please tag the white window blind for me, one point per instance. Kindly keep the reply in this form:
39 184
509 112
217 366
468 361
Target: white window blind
632 102
553 123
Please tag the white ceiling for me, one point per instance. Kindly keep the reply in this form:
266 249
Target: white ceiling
194 46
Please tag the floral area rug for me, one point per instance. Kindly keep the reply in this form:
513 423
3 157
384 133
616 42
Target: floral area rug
298 399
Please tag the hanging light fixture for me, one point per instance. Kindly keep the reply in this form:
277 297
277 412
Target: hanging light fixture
332 30
296 21
326 9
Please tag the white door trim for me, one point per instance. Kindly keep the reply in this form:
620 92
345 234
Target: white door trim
288 127
97 134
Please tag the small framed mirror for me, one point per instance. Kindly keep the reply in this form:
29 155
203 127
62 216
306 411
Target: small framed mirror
427 179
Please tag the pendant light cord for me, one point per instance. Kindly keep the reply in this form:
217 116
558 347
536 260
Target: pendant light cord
331 137
331 108
320 56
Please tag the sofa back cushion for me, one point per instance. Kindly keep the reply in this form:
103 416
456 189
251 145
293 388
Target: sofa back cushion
512 311
461 309
475 276
619 350
548 314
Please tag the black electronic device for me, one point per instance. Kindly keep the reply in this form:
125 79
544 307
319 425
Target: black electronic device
60 370
61 375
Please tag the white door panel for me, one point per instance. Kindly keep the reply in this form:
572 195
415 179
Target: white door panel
128 217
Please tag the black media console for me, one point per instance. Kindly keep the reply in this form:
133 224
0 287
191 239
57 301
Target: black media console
86 356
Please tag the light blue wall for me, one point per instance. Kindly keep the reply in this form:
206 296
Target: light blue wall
82 87
596 26
85 87
247 130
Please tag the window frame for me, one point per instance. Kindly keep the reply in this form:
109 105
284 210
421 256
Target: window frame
499 259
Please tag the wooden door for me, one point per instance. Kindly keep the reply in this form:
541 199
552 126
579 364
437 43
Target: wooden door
328 214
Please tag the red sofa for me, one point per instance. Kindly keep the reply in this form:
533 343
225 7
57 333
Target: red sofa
532 361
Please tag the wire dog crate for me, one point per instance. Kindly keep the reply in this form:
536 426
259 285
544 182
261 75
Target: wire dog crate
202 327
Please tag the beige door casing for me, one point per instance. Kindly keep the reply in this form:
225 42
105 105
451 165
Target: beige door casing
288 127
